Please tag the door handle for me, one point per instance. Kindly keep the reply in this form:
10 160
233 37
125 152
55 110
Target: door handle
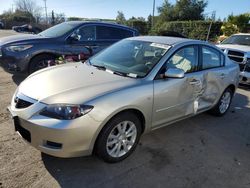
94 46
194 82
222 75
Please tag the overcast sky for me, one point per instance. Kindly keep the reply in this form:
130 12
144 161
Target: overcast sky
109 8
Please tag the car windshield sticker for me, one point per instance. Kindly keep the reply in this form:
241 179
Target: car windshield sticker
163 46
109 71
132 75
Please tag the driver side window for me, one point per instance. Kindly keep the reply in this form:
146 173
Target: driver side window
186 59
86 33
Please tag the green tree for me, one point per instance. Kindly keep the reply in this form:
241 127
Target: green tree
166 11
53 18
120 18
149 22
183 10
138 23
228 29
74 19
241 21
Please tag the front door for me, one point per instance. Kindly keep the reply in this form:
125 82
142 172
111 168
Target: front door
85 43
176 98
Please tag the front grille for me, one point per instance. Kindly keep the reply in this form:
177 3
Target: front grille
235 56
236 53
20 103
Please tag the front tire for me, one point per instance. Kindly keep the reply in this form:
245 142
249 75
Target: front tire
119 138
223 104
40 62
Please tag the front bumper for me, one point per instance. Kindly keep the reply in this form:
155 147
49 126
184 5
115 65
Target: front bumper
60 138
13 62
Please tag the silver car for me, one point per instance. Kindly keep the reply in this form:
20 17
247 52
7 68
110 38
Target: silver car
137 85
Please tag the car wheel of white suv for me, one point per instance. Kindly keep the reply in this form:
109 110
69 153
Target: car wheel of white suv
119 137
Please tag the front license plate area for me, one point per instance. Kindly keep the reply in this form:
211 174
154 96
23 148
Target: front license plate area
22 131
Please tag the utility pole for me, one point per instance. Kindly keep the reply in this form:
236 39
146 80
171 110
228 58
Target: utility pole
46 13
153 14
210 25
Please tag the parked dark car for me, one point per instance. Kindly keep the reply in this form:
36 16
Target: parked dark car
1 25
27 28
28 53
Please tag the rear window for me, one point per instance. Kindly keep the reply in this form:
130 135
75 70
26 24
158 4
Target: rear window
107 33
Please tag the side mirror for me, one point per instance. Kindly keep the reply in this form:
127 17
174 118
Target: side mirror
174 73
74 37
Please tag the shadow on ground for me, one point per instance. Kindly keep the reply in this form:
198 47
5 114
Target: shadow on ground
203 151
18 78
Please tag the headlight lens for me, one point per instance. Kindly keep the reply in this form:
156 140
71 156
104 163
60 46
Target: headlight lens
18 48
66 112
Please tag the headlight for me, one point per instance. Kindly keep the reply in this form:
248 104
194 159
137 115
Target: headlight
18 48
66 112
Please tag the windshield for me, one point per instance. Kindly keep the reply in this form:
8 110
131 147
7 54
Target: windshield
238 39
130 57
57 30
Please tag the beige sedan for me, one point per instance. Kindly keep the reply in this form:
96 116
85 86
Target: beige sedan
137 85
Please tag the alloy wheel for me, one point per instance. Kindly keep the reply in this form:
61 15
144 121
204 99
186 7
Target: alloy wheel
225 102
121 139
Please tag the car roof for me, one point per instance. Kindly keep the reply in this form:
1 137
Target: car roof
164 39
77 23
242 34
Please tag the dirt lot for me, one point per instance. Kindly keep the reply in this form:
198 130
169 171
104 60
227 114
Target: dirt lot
200 152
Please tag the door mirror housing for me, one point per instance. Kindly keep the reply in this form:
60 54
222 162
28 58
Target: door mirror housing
74 37
174 73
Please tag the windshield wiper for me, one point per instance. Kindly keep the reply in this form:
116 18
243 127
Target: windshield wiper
101 67
120 73
126 74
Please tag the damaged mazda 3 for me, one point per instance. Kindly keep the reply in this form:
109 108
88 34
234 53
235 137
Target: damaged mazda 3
137 85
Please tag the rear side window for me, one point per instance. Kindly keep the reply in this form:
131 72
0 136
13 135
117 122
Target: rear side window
211 58
107 33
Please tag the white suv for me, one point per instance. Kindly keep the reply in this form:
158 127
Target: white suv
237 47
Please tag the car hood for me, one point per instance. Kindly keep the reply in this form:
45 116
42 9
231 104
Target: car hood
19 38
73 83
243 48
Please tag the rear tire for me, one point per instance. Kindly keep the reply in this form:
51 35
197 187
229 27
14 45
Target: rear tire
40 62
223 104
119 138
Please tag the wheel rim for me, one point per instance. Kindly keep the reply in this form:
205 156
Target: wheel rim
225 102
41 64
121 139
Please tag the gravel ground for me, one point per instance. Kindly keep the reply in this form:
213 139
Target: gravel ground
200 152
4 33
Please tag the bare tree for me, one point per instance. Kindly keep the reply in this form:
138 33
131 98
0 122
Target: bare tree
29 6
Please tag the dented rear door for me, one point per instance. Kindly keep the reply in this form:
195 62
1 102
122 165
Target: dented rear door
214 73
